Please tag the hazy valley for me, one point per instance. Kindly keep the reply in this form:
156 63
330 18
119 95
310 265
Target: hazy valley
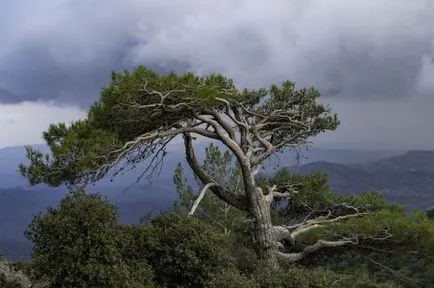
403 177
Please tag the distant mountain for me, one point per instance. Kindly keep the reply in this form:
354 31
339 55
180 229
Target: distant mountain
11 157
17 207
407 179
410 161
19 201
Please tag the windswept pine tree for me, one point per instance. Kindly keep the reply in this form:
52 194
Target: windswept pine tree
140 112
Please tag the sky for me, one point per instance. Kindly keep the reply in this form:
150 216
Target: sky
372 60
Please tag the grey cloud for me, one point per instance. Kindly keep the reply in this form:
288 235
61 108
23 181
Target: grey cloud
23 123
32 72
7 121
8 97
383 124
65 50
425 77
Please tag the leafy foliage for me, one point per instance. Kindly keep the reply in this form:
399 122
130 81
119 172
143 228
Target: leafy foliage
139 113
232 278
391 246
78 244
11 277
184 251
430 214
79 150
404 255
143 102
294 277
81 244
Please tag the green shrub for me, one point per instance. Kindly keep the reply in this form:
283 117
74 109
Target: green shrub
78 244
11 278
184 251
232 278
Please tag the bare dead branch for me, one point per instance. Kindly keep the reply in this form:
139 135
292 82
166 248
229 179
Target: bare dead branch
151 139
320 244
199 198
286 191
319 222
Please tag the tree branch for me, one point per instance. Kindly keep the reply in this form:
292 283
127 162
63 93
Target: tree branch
202 193
289 141
223 124
320 244
309 225
237 200
293 232
148 137
242 159
233 116
242 125
285 191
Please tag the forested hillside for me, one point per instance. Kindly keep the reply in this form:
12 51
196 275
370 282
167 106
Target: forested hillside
407 179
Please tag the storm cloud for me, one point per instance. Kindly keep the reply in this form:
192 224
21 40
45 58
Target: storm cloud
359 54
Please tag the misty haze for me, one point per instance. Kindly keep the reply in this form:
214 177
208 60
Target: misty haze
223 143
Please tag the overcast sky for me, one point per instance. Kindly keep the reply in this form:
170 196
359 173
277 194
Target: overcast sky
373 60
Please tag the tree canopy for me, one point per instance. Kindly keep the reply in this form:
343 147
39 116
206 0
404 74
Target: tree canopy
140 113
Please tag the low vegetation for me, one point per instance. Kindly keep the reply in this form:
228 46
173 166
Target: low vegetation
232 227
80 243
10 277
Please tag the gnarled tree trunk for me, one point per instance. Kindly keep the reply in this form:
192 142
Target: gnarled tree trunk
265 238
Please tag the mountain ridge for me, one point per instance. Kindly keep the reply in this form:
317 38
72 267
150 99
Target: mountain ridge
19 201
407 179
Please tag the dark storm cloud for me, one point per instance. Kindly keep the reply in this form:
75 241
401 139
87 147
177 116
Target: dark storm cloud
65 50
8 97
33 73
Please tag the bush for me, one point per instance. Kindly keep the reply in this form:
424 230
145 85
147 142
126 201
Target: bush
299 277
232 278
184 251
10 278
78 244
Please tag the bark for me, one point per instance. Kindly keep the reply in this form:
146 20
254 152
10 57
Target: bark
235 200
265 238
201 195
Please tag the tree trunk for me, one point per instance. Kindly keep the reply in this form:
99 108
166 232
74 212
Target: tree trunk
265 238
